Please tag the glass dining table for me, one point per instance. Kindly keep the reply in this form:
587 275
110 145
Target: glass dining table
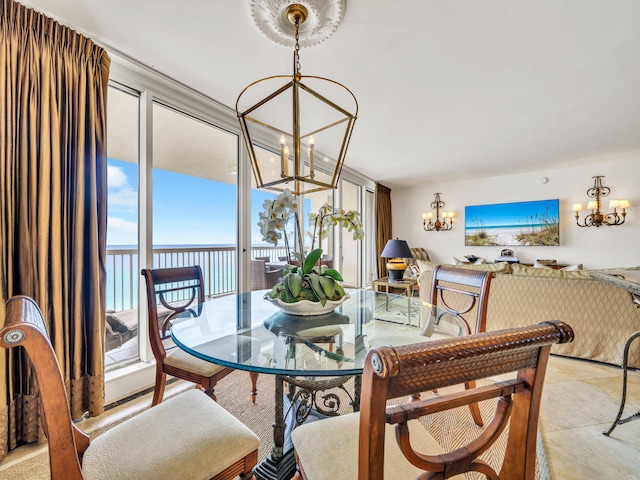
310 354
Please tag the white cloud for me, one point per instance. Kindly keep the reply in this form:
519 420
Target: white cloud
119 225
121 194
116 178
121 232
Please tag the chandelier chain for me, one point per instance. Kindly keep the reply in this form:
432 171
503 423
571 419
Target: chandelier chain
297 47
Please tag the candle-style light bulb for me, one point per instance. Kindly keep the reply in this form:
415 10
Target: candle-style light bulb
284 157
311 145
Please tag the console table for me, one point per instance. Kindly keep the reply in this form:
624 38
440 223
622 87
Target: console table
629 279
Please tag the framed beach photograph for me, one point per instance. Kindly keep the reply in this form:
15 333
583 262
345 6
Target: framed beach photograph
518 224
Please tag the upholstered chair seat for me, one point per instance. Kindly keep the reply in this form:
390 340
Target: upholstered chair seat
187 436
185 361
314 442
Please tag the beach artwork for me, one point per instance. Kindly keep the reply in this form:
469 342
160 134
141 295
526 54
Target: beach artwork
519 224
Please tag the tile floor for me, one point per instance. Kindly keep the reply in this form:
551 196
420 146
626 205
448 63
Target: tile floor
580 400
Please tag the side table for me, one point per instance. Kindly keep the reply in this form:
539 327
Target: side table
406 285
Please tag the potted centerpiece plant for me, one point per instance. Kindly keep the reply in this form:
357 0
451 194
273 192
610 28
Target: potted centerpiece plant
307 287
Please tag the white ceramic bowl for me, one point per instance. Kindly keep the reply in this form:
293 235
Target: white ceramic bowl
305 307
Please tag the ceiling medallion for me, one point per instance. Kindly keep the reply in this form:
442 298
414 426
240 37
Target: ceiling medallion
324 16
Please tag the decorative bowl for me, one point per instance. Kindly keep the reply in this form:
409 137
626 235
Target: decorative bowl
305 307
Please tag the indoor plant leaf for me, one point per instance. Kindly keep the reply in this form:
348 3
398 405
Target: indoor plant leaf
311 260
314 281
330 272
328 285
294 283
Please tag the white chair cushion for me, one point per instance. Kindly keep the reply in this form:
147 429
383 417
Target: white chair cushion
328 449
187 436
177 357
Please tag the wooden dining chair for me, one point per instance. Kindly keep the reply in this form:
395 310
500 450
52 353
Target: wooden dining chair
172 292
361 445
463 294
188 436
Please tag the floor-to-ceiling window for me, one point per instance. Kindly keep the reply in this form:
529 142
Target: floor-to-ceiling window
350 248
121 336
369 252
194 188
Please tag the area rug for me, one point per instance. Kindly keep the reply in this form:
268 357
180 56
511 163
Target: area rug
397 310
450 429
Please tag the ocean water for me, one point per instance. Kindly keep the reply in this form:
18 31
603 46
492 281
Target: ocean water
218 263
518 227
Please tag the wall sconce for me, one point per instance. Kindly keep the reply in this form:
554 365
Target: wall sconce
446 223
597 217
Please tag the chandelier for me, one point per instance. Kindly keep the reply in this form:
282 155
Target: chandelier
597 217
447 217
297 116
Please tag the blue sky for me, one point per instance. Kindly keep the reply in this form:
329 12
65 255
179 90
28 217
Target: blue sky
511 213
187 210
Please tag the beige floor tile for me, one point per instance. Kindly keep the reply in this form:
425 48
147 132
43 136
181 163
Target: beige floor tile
585 453
580 401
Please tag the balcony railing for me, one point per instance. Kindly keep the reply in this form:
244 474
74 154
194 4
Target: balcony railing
218 269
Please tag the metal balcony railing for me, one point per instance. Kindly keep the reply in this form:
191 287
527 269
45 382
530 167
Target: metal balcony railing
218 268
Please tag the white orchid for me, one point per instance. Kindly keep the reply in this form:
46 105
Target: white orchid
277 212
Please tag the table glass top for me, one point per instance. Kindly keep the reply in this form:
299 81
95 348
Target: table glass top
247 332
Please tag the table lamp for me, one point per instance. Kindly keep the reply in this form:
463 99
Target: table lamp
396 251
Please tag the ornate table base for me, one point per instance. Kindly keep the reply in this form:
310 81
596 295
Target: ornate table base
302 402
625 360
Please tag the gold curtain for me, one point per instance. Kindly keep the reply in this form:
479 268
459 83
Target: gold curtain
383 225
53 86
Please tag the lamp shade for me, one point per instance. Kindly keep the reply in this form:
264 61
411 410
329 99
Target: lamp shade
396 249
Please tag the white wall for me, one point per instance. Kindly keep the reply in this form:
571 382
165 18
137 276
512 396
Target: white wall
595 248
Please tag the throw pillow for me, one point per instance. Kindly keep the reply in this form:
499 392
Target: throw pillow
426 266
526 271
461 263
499 267
572 268
541 265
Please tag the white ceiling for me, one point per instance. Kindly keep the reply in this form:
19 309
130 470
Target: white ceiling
446 88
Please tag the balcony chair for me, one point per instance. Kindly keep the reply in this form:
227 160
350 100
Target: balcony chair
360 445
188 436
266 259
186 285
327 260
262 277
463 294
